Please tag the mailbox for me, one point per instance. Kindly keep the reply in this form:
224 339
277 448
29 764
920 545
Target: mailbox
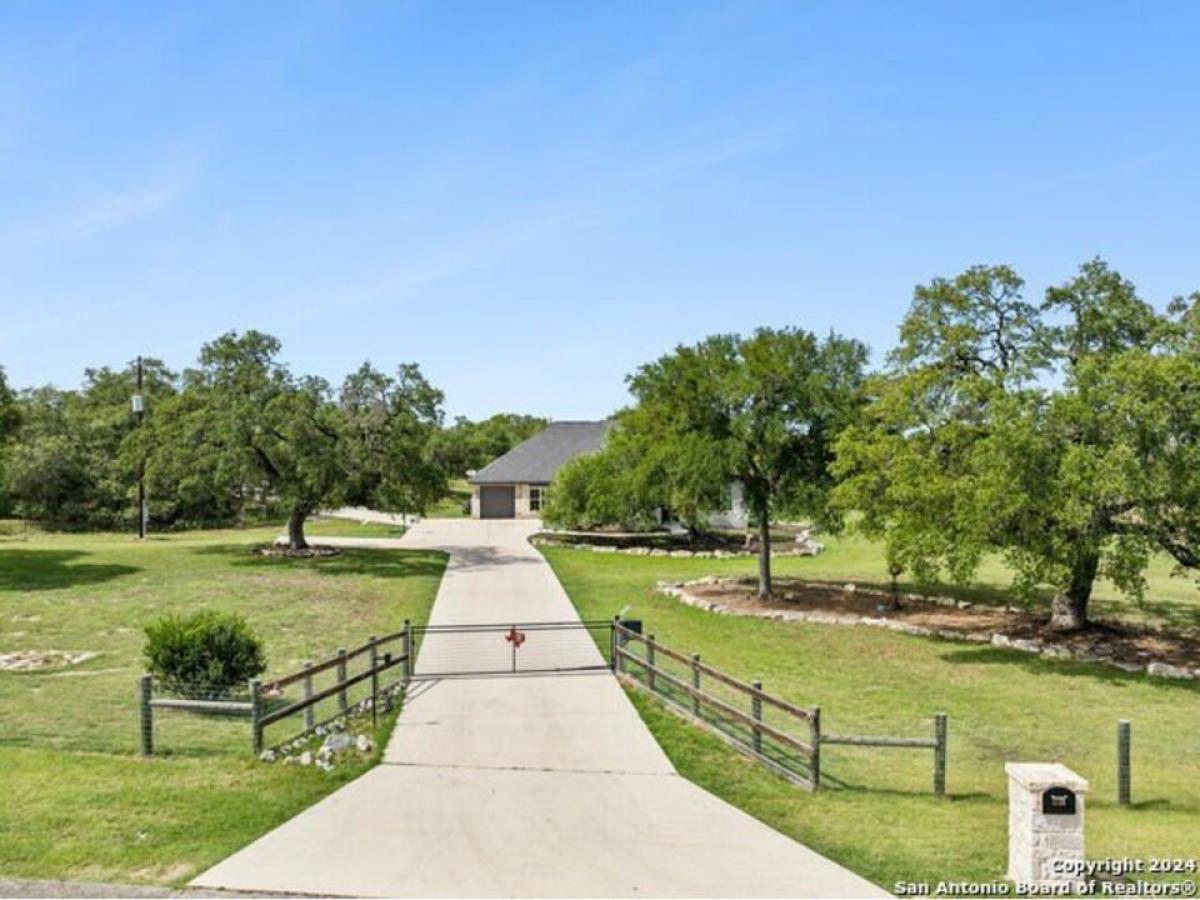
634 625
1058 801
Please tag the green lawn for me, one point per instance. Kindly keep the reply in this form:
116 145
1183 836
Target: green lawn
81 804
329 527
879 816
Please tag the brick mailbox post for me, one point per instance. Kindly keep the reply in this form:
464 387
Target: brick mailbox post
1045 824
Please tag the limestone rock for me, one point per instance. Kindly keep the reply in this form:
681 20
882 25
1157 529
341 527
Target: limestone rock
1165 670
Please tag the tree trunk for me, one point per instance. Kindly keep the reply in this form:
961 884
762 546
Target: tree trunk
296 519
764 554
1068 611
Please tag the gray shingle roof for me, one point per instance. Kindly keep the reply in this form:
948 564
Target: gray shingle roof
536 460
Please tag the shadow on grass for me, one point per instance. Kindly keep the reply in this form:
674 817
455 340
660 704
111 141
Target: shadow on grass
351 561
48 570
1030 662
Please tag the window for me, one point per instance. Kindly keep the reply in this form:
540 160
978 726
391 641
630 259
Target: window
537 497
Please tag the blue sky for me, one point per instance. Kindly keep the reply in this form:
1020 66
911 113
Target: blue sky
531 199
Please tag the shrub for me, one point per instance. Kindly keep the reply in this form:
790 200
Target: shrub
209 652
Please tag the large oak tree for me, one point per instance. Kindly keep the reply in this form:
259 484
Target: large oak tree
1064 435
762 410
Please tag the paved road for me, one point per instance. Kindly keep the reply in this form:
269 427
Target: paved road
522 786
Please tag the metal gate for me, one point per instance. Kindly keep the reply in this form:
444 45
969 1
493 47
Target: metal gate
511 648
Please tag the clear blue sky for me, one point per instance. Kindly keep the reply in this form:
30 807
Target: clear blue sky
531 199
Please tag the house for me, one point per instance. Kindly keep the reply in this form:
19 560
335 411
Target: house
514 485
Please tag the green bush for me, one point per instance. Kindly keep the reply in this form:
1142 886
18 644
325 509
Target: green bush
206 653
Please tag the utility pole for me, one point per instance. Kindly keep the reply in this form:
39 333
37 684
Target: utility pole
139 410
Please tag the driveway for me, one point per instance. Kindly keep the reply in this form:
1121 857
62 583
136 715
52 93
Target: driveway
522 786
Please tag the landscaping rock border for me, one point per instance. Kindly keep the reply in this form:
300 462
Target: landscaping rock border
336 737
810 548
679 590
281 549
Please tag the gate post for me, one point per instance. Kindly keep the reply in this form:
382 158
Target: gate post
650 661
814 737
1123 762
256 705
756 713
696 684
341 677
614 661
146 714
939 754
310 714
374 680
406 645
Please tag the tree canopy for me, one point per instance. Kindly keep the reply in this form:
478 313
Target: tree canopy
1064 435
761 410
468 445
66 466
244 425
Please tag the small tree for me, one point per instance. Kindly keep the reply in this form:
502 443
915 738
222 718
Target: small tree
1063 436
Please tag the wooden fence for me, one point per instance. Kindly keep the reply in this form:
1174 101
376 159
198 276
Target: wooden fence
783 736
775 744
265 702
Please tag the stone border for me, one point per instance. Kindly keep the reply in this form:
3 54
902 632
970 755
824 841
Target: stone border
809 549
679 590
341 734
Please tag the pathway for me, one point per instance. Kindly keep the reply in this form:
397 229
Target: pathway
525 786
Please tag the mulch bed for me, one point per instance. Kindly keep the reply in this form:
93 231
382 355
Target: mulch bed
1120 643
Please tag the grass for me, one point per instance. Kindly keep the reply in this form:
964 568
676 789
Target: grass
81 804
453 505
329 527
1172 601
879 816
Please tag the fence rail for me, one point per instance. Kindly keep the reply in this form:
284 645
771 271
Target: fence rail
262 710
796 758
738 718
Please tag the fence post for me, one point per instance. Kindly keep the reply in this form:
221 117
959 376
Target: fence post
256 715
146 714
374 680
756 713
696 684
650 661
814 737
614 662
1124 740
406 646
939 754
310 714
341 677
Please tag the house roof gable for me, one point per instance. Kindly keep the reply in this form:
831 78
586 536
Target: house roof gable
536 460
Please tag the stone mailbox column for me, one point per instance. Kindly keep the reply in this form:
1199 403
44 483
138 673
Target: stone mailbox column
1045 823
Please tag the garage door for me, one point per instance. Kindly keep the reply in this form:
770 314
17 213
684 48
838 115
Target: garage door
497 502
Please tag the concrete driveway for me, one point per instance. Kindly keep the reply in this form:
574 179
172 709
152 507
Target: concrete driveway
546 786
